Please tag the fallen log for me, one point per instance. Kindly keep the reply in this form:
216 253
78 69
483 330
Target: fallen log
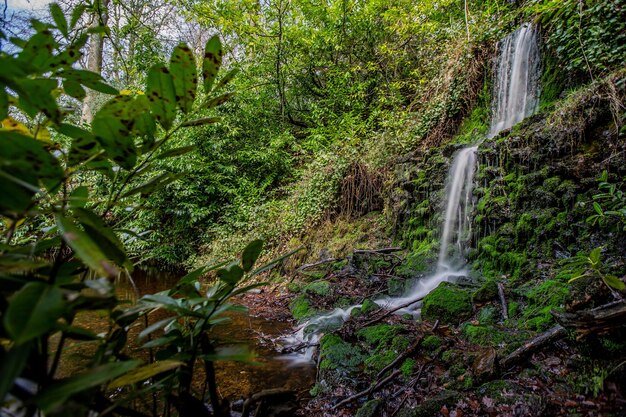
599 320
545 338
268 393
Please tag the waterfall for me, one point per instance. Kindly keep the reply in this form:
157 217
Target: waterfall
516 86
456 228
516 94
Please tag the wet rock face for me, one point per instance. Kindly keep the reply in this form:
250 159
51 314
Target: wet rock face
447 303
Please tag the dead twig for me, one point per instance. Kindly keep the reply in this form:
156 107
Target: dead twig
325 261
376 251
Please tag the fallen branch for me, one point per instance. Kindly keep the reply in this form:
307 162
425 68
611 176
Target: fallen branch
545 338
370 390
505 309
325 261
297 348
390 312
400 358
376 251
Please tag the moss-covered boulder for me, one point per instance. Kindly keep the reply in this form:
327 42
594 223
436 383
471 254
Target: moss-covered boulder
487 292
447 303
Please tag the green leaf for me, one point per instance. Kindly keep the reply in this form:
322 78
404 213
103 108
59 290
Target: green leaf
176 152
217 101
56 394
154 183
226 79
112 127
36 95
4 104
104 237
59 18
594 257
232 274
85 248
145 372
614 282
77 14
598 208
79 197
33 311
162 95
251 254
74 89
212 62
88 79
24 162
155 326
185 76
275 262
194 275
203 121
11 365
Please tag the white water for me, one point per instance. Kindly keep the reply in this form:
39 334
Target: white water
515 97
450 266
516 87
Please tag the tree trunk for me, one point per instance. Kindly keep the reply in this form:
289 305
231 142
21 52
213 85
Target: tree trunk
94 58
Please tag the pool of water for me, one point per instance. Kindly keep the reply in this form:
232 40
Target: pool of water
235 380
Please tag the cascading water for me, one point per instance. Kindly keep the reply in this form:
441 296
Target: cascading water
516 89
451 263
515 97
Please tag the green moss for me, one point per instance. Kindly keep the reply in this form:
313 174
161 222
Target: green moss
368 409
321 288
407 367
293 287
542 299
483 335
447 303
488 315
513 309
337 354
301 308
487 292
369 306
379 334
431 343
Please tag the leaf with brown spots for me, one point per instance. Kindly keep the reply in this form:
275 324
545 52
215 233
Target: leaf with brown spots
185 76
162 95
212 62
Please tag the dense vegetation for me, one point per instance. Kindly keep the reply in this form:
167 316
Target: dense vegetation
208 129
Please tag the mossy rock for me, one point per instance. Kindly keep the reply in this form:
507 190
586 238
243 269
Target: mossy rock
447 303
368 409
301 308
488 315
336 354
369 306
321 288
487 292
432 406
431 343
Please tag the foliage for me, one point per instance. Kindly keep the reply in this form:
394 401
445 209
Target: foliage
589 37
590 266
64 241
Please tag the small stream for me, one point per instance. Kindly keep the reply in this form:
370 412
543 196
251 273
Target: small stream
235 380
